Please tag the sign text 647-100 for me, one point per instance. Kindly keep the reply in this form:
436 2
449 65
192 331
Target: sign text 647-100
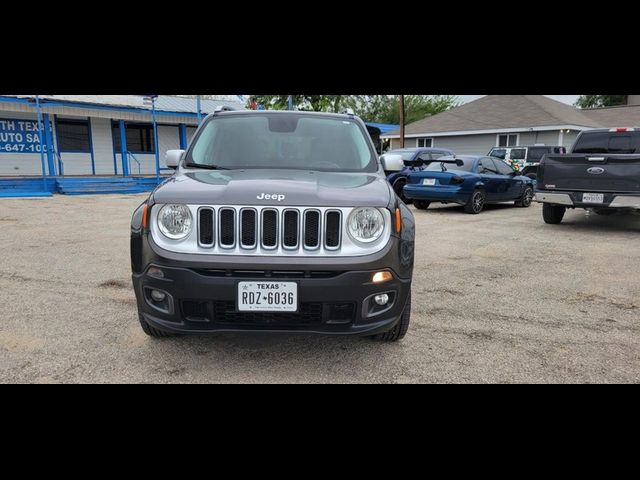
19 136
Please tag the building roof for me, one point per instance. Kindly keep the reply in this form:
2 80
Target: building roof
168 103
496 112
624 116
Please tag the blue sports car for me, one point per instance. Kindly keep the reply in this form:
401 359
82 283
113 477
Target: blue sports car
472 181
415 160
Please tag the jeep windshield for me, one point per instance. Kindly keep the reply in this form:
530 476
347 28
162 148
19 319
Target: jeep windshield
282 141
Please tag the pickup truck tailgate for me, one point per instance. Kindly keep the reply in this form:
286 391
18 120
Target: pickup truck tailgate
590 173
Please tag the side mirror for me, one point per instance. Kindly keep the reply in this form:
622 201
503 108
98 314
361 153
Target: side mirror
173 157
392 162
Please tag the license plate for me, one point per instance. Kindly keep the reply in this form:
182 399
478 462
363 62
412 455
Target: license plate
593 197
429 181
267 297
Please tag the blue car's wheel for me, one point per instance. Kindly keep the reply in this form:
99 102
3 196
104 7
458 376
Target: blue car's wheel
398 187
476 202
421 204
526 198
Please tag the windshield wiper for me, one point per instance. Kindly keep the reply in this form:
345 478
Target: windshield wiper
208 167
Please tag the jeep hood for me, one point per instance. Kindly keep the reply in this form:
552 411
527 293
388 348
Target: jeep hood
299 187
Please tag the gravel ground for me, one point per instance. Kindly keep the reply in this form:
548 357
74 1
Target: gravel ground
498 297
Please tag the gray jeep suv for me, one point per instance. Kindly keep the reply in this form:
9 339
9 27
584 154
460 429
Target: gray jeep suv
276 221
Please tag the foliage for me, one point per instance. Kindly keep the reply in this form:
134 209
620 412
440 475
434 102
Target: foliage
599 101
371 108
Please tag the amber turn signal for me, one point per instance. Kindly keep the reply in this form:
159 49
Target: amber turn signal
398 221
380 277
145 216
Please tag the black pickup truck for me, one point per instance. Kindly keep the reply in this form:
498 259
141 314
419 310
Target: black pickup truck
601 173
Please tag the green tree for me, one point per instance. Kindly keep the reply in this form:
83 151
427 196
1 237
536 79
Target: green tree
598 101
371 108
316 103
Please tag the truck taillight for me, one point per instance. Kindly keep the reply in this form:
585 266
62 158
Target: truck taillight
621 129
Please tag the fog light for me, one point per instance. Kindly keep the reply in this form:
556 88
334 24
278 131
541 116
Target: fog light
158 296
155 272
380 277
381 299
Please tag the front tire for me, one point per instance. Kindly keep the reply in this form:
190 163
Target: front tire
421 204
152 331
526 198
476 204
400 329
553 214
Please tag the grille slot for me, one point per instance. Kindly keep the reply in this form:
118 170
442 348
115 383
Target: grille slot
269 228
205 227
332 230
227 227
249 227
312 229
290 224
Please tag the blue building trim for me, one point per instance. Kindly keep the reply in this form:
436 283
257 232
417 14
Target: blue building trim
183 136
93 158
123 148
91 106
46 125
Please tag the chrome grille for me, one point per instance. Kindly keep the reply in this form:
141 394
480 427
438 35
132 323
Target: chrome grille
270 230
289 228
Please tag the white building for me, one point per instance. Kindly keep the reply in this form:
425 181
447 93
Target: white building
101 135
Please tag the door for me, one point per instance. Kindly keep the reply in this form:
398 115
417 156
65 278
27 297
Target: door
495 185
514 183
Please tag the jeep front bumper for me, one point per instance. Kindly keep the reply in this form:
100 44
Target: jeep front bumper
335 296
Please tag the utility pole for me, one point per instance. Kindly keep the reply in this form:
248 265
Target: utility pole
290 102
199 108
401 121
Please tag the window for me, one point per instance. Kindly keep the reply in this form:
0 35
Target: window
73 135
509 140
466 166
486 165
518 154
424 142
294 141
503 168
535 154
608 142
139 137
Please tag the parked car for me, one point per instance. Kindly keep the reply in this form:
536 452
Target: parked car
526 159
275 221
602 173
415 159
472 181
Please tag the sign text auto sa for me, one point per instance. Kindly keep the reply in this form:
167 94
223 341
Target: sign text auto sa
19 136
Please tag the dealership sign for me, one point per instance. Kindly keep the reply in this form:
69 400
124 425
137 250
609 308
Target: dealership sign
19 136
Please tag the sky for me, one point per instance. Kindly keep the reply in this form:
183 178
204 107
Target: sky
568 99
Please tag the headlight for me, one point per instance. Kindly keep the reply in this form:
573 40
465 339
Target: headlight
175 221
365 224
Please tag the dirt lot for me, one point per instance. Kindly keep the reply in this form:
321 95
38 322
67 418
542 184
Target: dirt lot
499 297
